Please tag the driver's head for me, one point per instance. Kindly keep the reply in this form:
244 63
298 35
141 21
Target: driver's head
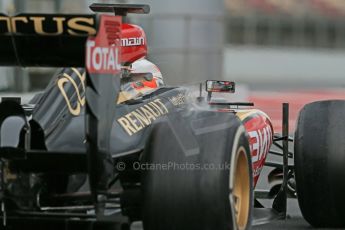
143 77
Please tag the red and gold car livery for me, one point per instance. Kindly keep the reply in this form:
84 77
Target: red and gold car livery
260 130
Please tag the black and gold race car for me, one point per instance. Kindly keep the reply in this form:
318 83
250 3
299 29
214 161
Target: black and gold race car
106 144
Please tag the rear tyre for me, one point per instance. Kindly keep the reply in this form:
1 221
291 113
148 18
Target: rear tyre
320 163
201 196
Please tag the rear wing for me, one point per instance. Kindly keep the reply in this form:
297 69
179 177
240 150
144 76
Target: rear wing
54 40
90 41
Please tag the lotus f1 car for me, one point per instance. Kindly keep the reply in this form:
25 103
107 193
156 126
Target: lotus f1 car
83 153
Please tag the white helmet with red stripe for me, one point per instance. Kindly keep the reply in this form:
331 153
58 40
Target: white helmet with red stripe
143 77
145 66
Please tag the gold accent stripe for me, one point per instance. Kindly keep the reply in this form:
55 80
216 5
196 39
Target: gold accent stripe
246 113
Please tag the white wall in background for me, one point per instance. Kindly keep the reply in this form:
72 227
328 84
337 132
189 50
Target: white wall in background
284 67
185 38
6 6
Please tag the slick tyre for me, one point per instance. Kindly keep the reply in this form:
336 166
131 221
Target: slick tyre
207 180
320 163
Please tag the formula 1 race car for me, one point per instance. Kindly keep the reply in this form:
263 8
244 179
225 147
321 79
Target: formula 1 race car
88 152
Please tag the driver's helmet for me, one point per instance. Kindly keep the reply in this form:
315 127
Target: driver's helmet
143 77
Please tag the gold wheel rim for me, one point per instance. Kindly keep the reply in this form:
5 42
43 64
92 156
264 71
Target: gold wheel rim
241 189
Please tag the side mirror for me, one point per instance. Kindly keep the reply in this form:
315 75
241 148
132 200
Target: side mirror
213 86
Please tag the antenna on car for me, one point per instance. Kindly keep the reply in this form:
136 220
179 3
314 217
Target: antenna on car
120 9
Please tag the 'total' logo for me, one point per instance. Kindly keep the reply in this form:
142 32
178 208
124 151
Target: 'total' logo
102 59
103 52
